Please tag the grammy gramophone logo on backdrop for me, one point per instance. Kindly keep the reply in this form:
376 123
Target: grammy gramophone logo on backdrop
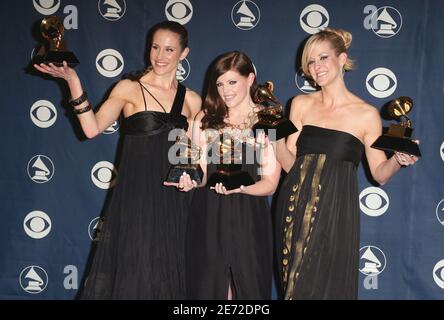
40 168
112 10
372 260
33 279
245 15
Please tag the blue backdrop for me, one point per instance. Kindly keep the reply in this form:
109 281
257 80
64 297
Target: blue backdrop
54 183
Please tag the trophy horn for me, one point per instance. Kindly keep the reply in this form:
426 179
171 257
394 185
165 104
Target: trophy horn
52 29
400 107
264 93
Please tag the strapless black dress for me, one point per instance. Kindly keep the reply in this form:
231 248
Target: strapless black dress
318 226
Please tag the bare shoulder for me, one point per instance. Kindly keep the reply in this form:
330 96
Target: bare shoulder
193 96
367 111
123 88
193 100
301 102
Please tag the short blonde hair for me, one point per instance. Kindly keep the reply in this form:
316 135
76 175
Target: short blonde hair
339 40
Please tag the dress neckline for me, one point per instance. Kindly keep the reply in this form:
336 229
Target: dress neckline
335 130
150 111
145 111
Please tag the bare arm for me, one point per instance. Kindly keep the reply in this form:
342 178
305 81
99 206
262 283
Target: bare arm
92 123
381 168
270 171
199 139
286 151
194 103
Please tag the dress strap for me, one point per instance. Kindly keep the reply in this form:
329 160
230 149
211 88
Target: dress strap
176 109
143 94
144 88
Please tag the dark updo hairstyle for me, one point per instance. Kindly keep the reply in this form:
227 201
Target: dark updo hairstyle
172 26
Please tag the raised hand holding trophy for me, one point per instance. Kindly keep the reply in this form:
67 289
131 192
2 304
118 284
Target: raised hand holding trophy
187 155
229 169
271 116
398 137
55 49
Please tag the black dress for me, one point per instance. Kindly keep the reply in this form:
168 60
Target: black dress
318 237
229 241
140 251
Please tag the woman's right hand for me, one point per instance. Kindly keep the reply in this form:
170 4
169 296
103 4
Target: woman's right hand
63 72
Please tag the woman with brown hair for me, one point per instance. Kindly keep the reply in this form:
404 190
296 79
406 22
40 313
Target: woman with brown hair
229 241
140 251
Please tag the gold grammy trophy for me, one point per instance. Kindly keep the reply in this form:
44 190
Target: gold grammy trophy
188 156
229 169
398 136
271 116
55 49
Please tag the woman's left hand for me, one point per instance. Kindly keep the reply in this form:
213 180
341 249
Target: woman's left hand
185 183
405 159
220 188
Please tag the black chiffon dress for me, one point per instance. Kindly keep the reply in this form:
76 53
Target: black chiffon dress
229 242
140 250
318 233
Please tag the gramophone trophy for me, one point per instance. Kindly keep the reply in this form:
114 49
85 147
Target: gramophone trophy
271 116
398 136
229 169
187 156
55 49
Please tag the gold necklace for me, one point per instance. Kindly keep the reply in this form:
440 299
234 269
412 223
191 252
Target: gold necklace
248 122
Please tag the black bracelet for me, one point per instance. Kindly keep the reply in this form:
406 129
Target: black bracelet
83 110
79 100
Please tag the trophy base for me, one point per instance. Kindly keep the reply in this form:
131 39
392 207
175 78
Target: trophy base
230 179
400 144
194 171
57 58
282 129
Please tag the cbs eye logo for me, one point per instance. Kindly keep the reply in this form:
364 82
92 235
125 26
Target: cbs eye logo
40 168
109 63
179 11
314 18
37 224
103 175
245 15
46 7
33 279
373 201
438 273
381 82
43 113
112 10
441 151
